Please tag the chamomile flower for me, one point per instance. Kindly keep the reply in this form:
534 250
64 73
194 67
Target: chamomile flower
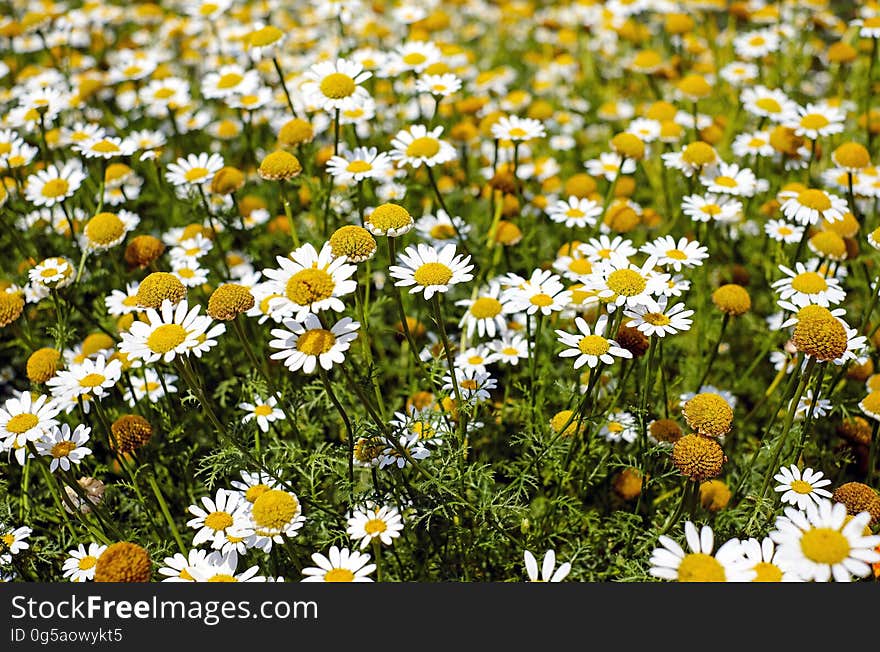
362 163
64 446
223 567
661 322
169 332
215 518
803 287
510 349
310 282
429 271
474 385
264 412
730 179
147 384
811 205
335 85
485 314
605 248
819 544
373 522
440 85
610 165
54 184
307 344
517 129
275 515
543 292
801 488
194 170
418 146
769 103
340 565
619 426
622 283
549 572
14 540
25 419
677 255
575 212
589 346
815 120
440 229
783 231
106 147
228 81
391 455
53 273
761 558
81 561
179 568
700 564
710 207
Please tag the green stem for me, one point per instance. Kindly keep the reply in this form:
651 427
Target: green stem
167 514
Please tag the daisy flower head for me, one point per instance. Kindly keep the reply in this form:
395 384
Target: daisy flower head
417 145
588 346
105 147
194 170
769 103
264 412
811 205
440 229
620 426
362 163
575 212
223 567
215 518
803 287
439 85
801 488
309 281
605 248
64 446
677 255
372 523
25 418
228 81
819 543
543 292
339 565
392 455
167 333
307 344
664 321
106 230
761 558
335 85
610 165
430 271
53 273
14 540
516 129
485 314
622 283
711 207
549 572
416 55
275 514
815 120
179 568
695 158
730 179
510 349
54 184
700 564
473 384
783 231
81 561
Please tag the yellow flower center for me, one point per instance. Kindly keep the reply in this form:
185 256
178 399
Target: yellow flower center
432 274
184 575
315 341
222 577
784 230
194 174
801 487
768 105
469 384
255 492
62 449
337 86
517 132
218 521
166 337
424 147
92 380
339 575
676 254
358 166
105 146
87 562
274 509
699 567
767 572
626 282
824 545
55 188
8 539
656 319
815 199
310 285
265 36
21 423
542 300
486 308
208 8
104 229
414 59
375 526
163 93
809 283
814 121
580 266
442 231
263 410
727 182
229 80
593 345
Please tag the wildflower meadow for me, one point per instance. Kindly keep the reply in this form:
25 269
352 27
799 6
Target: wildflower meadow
421 291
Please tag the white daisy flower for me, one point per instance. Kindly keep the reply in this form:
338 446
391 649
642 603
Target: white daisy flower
709 207
543 292
264 412
801 488
307 344
194 170
223 567
727 564
362 163
167 333
64 446
81 561
25 419
335 85
803 287
179 568
429 270
662 322
677 255
91 376
761 558
225 514
590 346
416 146
373 522
812 205
575 212
341 565
54 184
